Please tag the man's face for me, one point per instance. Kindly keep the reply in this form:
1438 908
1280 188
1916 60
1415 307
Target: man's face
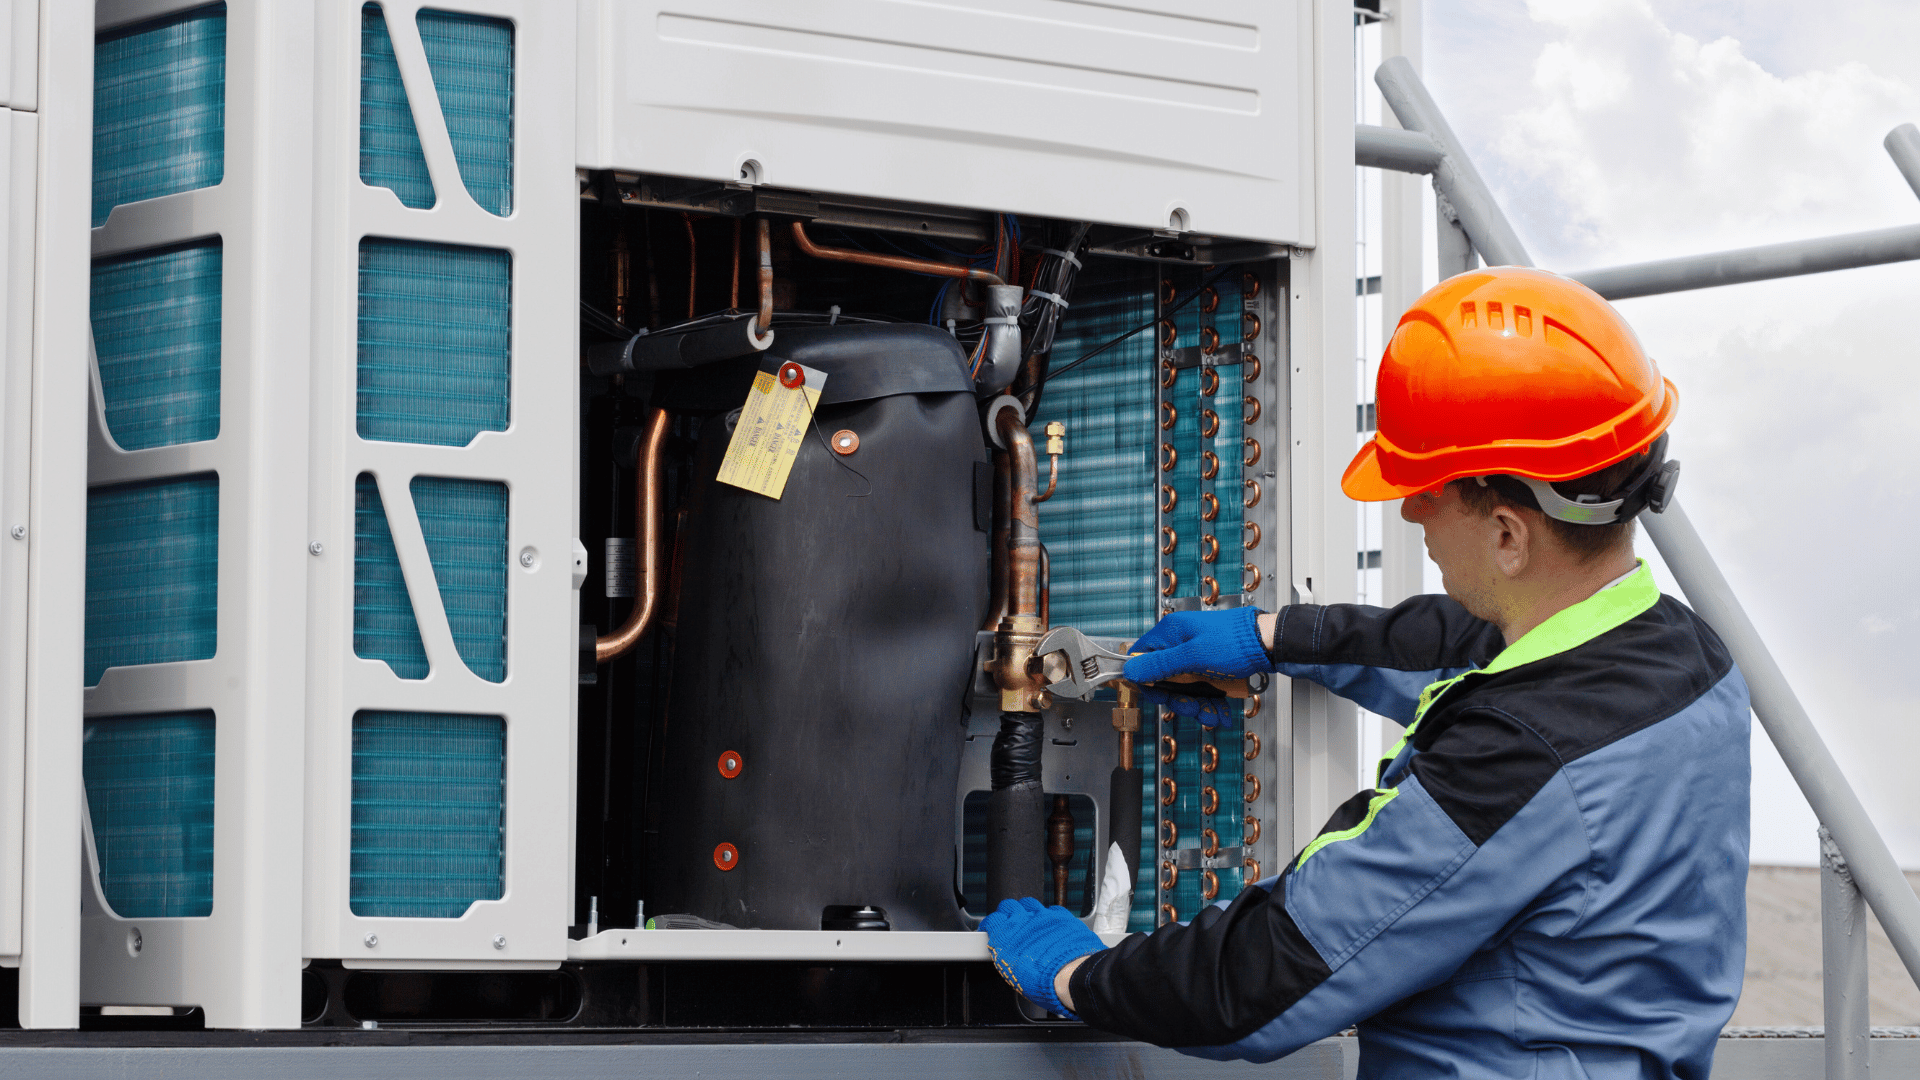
1461 543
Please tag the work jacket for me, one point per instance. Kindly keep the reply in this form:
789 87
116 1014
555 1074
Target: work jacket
1549 879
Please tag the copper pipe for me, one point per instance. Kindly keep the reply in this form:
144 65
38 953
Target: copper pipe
997 543
1060 846
1169 749
766 279
1252 789
1249 367
1249 830
1209 799
891 262
1251 710
1252 746
1253 869
622 276
1172 539
1169 790
693 263
1209 760
1253 451
1209 885
1023 521
1212 845
1169 833
1253 540
651 487
1046 584
1168 914
1209 465
733 297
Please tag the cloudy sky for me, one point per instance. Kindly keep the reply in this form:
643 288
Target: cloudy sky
1622 130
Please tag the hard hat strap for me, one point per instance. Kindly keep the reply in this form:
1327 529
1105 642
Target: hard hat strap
1650 489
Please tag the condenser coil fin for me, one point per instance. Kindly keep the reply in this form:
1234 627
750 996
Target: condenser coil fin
159 108
384 627
435 347
390 154
465 525
472 62
153 555
149 782
156 332
427 813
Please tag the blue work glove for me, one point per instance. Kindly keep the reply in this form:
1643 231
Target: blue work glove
1031 943
1211 644
1209 709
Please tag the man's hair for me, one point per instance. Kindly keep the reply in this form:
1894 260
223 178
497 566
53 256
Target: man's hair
1587 542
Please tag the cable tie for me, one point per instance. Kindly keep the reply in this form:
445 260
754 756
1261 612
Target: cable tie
1066 256
1052 298
1003 320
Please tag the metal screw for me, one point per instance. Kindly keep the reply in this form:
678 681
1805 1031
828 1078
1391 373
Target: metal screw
316 548
19 532
499 941
371 940
526 558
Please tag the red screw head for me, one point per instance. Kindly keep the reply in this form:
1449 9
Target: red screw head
792 375
730 764
726 856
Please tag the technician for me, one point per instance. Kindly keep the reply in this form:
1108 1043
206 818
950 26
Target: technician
1548 878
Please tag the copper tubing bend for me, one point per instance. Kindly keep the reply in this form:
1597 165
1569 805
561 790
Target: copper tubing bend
650 490
892 262
765 325
1023 533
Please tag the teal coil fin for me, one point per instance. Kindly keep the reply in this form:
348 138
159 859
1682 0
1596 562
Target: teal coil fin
156 332
465 525
428 810
153 560
159 108
390 154
472 61
384 627
435 342
149 783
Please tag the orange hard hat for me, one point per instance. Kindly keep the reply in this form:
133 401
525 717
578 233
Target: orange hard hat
1508 370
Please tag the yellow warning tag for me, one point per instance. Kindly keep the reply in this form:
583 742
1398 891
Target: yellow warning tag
772 423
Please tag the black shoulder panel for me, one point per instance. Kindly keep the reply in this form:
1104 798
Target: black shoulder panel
1423 633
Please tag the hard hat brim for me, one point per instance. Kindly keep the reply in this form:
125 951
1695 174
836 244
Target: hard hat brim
1363 482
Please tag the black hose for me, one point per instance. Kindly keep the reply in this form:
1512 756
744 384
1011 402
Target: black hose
1123 811
1016 812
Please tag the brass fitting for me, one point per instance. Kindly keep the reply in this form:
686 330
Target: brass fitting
1014 667
1126 720
1056 437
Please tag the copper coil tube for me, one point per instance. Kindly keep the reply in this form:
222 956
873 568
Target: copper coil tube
1169 790
733 294
1169 581
1249 367
1211 594
1169 415
650 480
1251 322
1172 539
891 262
1209 800
1170 915
1249 830
764 325
1249 285
1169 749
1209 885
693 263
1209 300
1248 711
1167 291
1209 341
1252 790
1209 381
1212 845
1253 451
1209 423
1253 869
1209 757
1249 577
1253 409
1167 333
1212 505
1169 834
1209 548
1209 464
1252 531
1253 493
1168 373
1252 745
1169 877
1169 457
1170 498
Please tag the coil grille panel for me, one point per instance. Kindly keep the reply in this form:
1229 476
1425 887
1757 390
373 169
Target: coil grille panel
156 332
149 782
472 62
159 108
153 554
427 813
434 342
384 627
465 525
390 154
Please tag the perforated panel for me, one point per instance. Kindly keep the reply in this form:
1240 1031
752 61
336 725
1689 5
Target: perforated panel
472 62
427 801
384 627
156 331
159 108
465 526
149 783
390 154
153 554
434 341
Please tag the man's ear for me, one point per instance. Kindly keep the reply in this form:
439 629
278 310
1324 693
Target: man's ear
1512 541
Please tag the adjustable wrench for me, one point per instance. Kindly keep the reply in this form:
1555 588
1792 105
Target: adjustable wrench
1086 667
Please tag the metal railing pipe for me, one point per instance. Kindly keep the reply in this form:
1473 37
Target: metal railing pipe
1903 144
1790 259
1843 962
1377 147
1455 178
1792 731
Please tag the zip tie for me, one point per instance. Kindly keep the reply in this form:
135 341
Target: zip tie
1067 256
1052 298
1003 320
